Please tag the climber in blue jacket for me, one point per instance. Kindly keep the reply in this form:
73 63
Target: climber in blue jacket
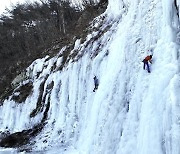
96 83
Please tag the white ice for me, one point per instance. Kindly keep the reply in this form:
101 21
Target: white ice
132 111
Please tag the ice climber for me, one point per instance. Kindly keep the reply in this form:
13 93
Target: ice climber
145 61
96 83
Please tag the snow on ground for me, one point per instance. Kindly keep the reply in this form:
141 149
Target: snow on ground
132 112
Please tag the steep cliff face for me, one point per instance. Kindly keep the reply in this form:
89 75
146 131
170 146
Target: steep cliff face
55 110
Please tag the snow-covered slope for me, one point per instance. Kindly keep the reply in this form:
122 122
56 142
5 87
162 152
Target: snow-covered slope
132 111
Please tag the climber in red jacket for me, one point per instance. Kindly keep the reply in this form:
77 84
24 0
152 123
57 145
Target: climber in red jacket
145 61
